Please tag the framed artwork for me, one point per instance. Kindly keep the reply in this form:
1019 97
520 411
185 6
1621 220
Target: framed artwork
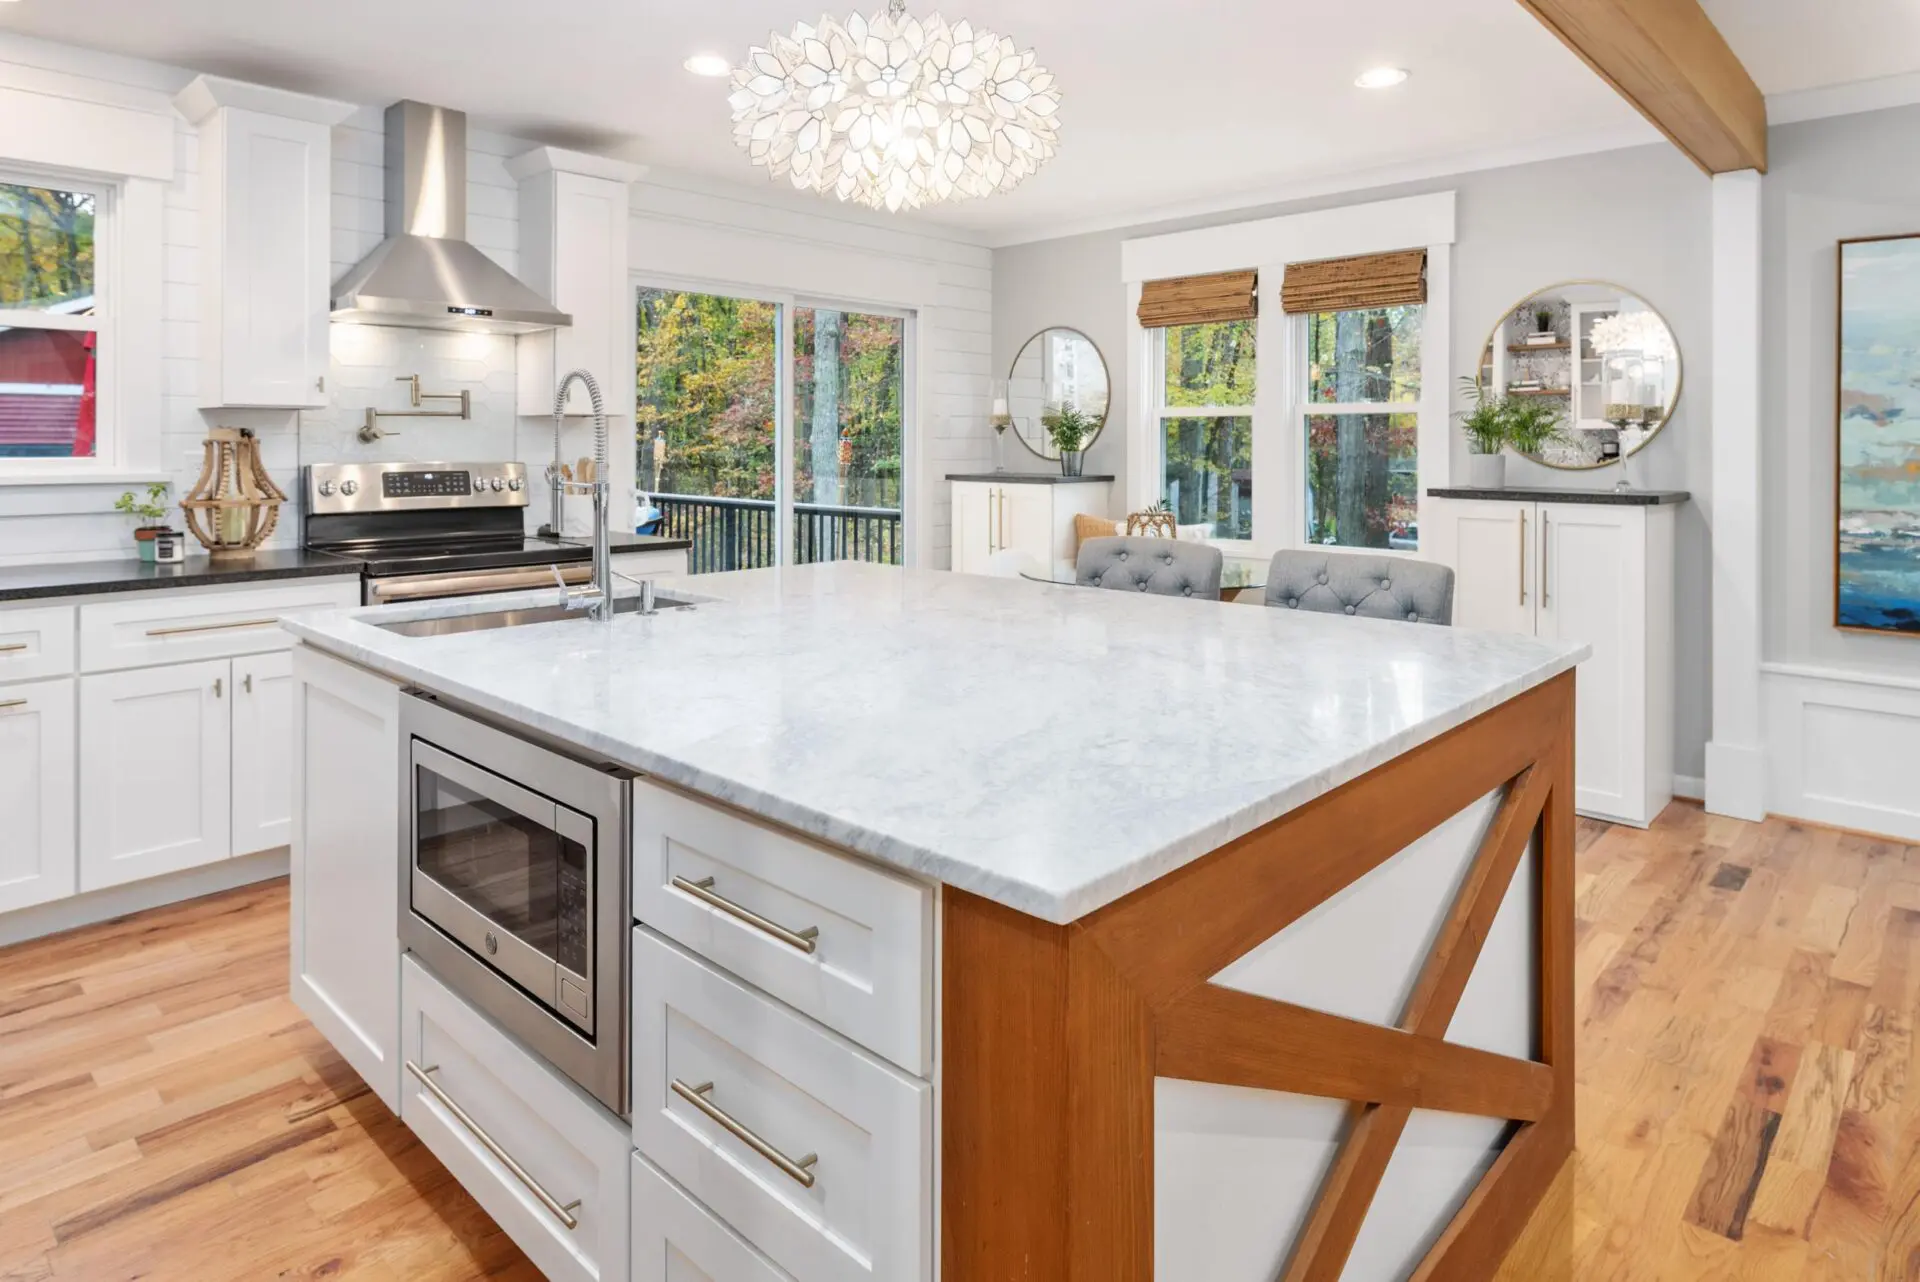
1877 560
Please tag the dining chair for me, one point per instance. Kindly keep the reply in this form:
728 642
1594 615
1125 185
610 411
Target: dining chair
1374 587
1164 567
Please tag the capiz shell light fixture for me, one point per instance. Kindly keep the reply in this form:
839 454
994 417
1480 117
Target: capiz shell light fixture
894 112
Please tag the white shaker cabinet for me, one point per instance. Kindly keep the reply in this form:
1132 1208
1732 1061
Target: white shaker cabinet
36 793
262 751
1030 516
1597 572
266 180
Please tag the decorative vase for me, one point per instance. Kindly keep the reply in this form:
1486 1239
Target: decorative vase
235 504
1487 471
1072 462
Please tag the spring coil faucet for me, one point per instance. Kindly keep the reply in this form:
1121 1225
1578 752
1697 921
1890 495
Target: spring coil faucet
597 598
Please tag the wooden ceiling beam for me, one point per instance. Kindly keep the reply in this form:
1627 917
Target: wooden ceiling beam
1668 59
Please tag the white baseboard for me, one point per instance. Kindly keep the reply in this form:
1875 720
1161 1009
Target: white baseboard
1842 748
138 896
1736 782
1690 787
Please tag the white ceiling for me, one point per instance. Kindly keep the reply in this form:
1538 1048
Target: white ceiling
1165 106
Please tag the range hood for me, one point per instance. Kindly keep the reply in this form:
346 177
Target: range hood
424 274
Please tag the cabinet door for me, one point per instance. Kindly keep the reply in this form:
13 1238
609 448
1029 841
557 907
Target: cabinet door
262 751
36 793
1026 524
974 505
1592 589
155 795
1491 549
346 863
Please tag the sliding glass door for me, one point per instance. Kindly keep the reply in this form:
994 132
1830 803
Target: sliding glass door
756 476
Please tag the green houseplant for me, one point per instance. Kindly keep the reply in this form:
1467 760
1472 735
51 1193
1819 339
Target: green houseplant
1070 430
1484 423
150 513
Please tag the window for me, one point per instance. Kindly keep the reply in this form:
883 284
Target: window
1361 426
1205 393
50 323
849 388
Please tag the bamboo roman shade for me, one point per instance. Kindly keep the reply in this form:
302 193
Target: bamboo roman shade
1353 284
1197 300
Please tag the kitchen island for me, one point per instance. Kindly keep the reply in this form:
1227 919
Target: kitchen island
1144 937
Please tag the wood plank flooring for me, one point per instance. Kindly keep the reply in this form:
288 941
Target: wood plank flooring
1748 995
166 1113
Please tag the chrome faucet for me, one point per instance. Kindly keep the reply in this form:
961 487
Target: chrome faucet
597 597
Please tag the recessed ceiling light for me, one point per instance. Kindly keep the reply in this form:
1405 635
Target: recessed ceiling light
707 64
1382 78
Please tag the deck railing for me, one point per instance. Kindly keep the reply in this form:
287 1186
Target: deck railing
739 534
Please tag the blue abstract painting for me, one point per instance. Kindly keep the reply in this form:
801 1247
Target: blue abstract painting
1879 563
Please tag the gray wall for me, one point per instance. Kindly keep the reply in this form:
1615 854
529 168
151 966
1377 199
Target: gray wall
1638 217
1830 180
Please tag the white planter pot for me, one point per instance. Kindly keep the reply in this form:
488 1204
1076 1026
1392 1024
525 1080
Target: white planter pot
1487 471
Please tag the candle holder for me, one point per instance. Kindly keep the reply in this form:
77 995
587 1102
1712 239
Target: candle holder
235 505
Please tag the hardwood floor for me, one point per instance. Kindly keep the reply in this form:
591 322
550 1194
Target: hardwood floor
1748 994
167 1114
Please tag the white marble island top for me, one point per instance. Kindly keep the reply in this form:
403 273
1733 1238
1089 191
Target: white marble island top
1048 747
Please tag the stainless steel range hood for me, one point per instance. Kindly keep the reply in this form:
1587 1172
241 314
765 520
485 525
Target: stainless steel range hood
425 274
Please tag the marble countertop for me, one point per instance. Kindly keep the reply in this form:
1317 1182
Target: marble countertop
1048 747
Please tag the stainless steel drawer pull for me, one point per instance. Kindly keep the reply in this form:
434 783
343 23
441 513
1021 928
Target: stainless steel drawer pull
11 646
562 1213
12 703
799 1172
211 627
805 940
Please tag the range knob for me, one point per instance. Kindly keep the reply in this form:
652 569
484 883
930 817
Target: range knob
496 485
349 488
514 483
326 489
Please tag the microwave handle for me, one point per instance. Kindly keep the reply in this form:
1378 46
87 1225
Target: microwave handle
500 791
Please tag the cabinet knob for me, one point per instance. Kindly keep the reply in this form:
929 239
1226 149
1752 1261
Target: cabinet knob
246 683
218 687
320 384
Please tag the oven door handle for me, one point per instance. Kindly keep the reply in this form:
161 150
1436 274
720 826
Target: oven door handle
422 586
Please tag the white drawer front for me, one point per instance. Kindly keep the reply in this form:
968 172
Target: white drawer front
35 642
647 564
565 1145
868 973
675 1239
186 624
803 1093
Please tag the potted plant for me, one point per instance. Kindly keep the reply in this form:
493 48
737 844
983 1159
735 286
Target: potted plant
1485 424
1069 430
1532 424
150 512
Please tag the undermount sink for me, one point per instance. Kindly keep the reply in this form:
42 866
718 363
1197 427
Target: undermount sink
487 620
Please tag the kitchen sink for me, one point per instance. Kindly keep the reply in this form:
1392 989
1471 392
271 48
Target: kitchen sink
488 620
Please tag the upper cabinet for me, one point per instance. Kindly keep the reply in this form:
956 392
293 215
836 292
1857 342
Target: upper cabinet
573 249
265 232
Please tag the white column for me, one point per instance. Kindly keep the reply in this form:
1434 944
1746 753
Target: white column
1736 757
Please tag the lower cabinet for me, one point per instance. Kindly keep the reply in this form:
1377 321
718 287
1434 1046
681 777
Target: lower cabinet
262 751
550 1166
36 793
675 1239
1033 520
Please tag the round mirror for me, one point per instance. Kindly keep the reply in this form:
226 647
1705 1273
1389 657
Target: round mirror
1600 356
1058 369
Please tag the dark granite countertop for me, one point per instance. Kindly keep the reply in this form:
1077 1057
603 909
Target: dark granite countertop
130 574
1024 478
1607 498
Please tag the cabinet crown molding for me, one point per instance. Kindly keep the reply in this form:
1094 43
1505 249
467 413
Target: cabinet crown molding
558 160
207 94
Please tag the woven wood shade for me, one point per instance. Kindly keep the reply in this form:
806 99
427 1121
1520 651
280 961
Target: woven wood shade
1197 300
1352 284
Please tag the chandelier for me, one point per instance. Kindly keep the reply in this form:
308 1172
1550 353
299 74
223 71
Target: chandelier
1642 332
894 112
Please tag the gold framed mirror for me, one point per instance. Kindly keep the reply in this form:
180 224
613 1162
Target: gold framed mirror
1602 354
1058 367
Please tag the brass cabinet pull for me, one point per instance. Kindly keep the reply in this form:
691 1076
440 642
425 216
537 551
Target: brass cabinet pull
1523 558
992 521
562 1213
1546 597
1003 519
13 703
211 627
805 940
799 1172
11 646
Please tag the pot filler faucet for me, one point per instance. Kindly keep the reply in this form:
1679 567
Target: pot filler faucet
597 597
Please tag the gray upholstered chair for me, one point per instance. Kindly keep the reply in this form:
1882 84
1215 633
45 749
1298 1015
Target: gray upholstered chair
1165 567
1376 587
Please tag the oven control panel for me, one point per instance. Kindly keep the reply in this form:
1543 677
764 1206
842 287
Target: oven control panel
333 488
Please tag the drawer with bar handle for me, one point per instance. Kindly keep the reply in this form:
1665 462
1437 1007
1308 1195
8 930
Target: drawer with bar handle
816 1152
672 1229
546 1162
843 941
186 624
36 642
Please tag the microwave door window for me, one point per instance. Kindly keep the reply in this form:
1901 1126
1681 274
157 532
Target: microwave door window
502 864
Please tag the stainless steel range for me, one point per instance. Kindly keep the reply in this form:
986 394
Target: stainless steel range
433 530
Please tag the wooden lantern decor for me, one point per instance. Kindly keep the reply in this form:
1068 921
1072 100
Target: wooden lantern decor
235 504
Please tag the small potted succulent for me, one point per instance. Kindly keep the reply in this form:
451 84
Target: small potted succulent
150 514
1069 429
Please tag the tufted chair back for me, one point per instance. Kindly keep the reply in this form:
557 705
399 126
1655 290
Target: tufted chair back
1165 567
1377 587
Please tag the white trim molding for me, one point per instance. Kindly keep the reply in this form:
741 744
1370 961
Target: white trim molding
1736 758
1842 747
1843 100
1271 243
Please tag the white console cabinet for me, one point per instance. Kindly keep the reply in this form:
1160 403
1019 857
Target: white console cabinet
1598 572
1032 517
